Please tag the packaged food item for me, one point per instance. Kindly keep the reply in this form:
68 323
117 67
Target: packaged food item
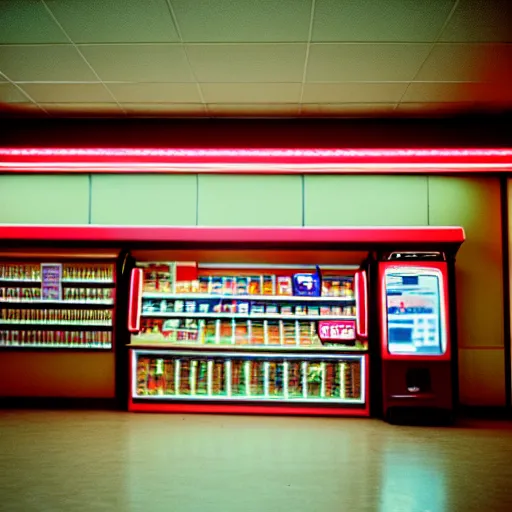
272 309
242 285
332 380
218 378
185 367
325 311
286 309
284 285
269 285
201 387
226 331
307 285
306 333
168 377
289 332
300 310
241 332
190 306
256 376
255 285
272 332
204 284
257 309
216 285
313 310
204 307
314 379
257 332
276 379
243 308
238 378
229 285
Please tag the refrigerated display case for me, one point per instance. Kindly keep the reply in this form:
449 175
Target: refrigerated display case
58 302
274 335
415 336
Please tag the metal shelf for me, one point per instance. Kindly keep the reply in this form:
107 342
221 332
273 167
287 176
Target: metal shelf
248 316
261 298
39 302
245 348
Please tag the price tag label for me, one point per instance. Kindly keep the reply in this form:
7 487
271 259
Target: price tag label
337 330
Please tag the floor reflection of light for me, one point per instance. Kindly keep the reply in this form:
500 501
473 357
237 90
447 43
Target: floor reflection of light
412 482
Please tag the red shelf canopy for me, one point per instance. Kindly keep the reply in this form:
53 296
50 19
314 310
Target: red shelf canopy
360 236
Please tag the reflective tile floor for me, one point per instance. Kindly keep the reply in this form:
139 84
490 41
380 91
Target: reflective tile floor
110 461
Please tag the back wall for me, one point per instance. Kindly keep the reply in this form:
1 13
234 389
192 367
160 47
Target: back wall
217 200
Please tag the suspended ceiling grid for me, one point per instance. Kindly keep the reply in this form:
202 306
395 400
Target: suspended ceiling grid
254 58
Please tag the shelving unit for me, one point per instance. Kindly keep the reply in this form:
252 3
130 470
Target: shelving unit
265 377
63 305
243 334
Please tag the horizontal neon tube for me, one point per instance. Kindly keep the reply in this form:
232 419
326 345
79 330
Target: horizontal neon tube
274 153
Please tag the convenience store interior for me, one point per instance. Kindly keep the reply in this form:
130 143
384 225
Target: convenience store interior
90 418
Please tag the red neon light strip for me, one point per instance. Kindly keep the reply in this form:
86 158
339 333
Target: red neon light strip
244 409
135 304
364 236
254 160
361 303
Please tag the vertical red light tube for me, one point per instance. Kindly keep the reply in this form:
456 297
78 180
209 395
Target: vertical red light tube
135 300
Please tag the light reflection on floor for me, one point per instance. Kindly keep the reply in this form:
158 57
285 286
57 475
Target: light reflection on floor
102 461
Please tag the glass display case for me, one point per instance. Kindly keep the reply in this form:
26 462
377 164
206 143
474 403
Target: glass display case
247 333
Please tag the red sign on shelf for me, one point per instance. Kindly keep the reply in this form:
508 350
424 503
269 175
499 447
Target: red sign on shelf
337 330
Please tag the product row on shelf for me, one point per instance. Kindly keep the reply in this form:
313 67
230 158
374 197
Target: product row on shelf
237 332
238 378
52 339
69 272
56 316
183 277
25 294
242 307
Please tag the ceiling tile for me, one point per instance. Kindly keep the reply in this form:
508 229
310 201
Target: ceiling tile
82 109
67 93
251 93
365 62
115 21
468 63
165 109
434 109
348 109
243 21
439 92
11 94
28 22
480 21
44 63
248 63
139 62
263 110
155 93
378 20
354 92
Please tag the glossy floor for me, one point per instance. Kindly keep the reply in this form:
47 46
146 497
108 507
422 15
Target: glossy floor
108 461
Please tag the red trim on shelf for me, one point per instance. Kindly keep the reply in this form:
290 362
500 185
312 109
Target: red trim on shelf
255 161
245 409
366 236
135 300
443 268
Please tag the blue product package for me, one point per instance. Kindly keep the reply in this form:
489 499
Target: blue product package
307 285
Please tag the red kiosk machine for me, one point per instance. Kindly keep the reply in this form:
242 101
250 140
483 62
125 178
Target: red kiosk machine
415 342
